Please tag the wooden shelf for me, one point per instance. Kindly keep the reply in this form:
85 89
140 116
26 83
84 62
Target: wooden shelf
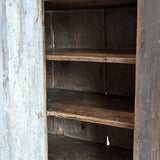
73 4
93 56
61 148
90 107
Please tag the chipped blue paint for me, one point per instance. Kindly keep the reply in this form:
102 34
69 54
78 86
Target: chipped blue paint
22 97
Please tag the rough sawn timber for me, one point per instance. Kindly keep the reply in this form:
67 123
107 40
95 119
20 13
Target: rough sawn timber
147 109
92 57
95 108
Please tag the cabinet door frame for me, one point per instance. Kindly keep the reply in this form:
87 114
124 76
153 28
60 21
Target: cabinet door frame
147 106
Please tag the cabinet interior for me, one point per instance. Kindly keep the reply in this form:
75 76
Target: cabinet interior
90 63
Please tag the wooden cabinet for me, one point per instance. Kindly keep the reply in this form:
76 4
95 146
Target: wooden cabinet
90 62
80 79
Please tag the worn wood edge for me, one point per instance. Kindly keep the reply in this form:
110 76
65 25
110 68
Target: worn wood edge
45 75
92 3
91 119
129 59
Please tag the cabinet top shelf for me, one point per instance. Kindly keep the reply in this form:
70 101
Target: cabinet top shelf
93 56
73 4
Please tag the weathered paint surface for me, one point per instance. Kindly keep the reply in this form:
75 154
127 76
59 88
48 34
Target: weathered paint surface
147 111
22 95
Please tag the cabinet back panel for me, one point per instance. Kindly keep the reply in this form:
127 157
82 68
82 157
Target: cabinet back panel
91 132
110 28
79 29
120 28
120 35
48 31
120 79
80 76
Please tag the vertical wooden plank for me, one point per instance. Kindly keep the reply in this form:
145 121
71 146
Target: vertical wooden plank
22 96
120 79
121 28
120 24
74 29
147 120
80 76
48 31
50 74
78 129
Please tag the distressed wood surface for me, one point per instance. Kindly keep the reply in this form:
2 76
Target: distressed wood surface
120 28
79 29
120 79
92 56
64 148
72 4
80 76
120 35
77 129
74 29
91 132
22 96
89 107
147 112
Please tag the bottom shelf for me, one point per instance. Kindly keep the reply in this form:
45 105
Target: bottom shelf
65 148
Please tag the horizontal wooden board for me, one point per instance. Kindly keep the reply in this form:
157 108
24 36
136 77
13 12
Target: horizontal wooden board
73 4
93 56
90 107
65 148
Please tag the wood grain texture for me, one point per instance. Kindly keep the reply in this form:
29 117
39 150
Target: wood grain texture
77 129
92 56
91 132
62 148
74 29
80 76
120 79
72 4
120 137
22 96
120 28
71 32
147 112
120 32
91 77
50 73
48 31
90 107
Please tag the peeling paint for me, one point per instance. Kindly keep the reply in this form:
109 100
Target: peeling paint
23 134
3 52
5 82
40 115
60 131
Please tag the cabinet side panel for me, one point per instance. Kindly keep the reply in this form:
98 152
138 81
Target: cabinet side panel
22 96
147 112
